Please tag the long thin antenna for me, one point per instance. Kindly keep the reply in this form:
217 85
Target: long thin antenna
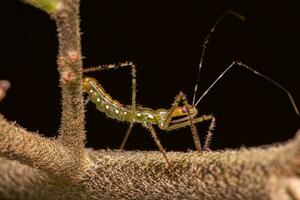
255 72
219 77
204 45
272 81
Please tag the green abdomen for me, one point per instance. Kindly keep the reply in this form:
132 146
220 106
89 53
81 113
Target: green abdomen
103 101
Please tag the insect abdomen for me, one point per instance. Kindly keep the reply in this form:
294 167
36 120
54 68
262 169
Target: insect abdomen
103 101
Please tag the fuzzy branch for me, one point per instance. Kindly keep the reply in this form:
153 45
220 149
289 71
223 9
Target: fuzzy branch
72 133
257 173
18 144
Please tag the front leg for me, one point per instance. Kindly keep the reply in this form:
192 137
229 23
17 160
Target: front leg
201 119
209 133
181 97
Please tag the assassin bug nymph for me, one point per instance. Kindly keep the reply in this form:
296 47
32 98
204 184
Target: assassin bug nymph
166 119
163 118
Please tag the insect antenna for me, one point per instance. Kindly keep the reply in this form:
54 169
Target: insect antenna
204 45
237 63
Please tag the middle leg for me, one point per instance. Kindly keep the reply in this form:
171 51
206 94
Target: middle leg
133 104
200 119
209 133
157 141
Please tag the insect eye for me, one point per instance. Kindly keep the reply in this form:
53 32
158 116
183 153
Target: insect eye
184 109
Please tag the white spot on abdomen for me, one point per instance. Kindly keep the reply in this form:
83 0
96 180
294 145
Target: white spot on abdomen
150 116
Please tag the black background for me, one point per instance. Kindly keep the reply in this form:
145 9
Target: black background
164 38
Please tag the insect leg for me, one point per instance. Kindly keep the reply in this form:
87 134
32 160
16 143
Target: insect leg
126 136
133 86
187 123
86 101
192 125
157 141
209 133
133 103
181 97
109 66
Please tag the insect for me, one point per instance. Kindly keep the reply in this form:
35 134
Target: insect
163 118
178 116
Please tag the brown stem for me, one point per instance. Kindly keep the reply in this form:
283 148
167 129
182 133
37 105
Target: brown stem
72 133
256 173
33 150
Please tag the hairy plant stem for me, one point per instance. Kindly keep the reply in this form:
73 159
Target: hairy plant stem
72 133
270 173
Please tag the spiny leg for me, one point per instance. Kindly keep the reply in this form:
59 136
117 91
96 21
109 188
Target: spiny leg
157 141
133 86
203 118
133 104
187 123
126 136
209 133
192 124
181 97
108 66
194 133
